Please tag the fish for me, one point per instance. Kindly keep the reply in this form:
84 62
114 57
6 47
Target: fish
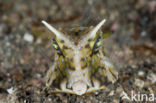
80 65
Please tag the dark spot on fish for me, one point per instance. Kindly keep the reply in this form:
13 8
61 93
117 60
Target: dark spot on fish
76 33
65 47
84 66
72 68
89 40
62 41
87 46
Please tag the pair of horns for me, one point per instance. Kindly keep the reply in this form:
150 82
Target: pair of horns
61 36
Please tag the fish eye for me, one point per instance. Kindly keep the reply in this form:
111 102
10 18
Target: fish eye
97 45
56 46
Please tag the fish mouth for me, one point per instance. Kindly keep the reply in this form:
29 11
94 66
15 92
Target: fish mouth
79 87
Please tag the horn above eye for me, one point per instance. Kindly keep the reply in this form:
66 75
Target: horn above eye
58 34
92 33
55 31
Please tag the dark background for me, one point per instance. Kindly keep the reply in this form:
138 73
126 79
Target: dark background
26 51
